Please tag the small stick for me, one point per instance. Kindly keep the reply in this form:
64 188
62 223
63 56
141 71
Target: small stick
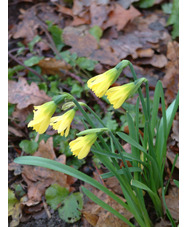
26 67
46 208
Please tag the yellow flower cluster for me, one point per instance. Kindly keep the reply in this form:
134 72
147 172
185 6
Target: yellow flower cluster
42 119
116 95
100 84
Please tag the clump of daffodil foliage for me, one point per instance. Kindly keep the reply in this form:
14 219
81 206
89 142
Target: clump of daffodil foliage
148 151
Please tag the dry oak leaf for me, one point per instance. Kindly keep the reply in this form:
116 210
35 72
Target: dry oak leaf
171 156
79 19
23 94
171 78
175 129
99 217
98 14
120 17
27 28
15 131
39 178
145 53
113 184
140 34
157 60
53 66
82 44
105 54
172 201
22 114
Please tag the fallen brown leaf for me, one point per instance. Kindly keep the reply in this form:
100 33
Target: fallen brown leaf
27 27
53 66
172 201
163 223
22 114
157 60
23 94
15 167
113 184
171 78
120 16
140 34
98 14
15 131
82 44
171 156
175 129
39 178
105 54
145 53
99 217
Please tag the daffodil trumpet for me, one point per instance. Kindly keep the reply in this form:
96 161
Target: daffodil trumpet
100 84
119 94
42 115
62 123
81 146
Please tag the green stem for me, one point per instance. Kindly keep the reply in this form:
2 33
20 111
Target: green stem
129 175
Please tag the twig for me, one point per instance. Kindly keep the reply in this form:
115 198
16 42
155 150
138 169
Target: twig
26 67
44 27
46 208
16 49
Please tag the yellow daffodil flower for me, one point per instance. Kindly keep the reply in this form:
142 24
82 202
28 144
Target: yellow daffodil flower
81 146
42 115
62 123
117 95
100 84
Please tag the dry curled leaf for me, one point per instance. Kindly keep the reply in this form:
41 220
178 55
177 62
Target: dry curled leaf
99 217
39 178
23 94
15 131
30 21
157 60
98 14
113 184
82 44
171 78
120 16
171 156
172 202
175 129
53 66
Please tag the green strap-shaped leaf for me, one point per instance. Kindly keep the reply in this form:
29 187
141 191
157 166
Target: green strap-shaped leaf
131 141
131 169
54 165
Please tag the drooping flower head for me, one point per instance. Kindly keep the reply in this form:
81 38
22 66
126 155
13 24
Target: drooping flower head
117 95
62 123
80 147
42 115
100 84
